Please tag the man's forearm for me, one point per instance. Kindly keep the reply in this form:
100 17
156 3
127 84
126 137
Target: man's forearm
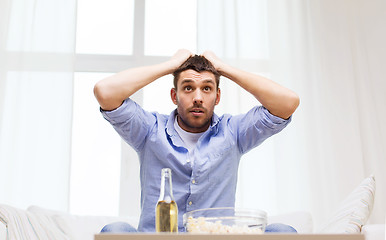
279 100
112 91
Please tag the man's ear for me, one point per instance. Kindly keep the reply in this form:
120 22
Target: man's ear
218 96
173 95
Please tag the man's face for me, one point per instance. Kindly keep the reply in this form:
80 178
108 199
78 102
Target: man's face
195 97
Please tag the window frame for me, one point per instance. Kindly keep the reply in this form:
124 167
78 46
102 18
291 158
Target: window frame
129 180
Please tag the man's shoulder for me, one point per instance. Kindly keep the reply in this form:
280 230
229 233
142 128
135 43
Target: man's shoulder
135 107
161 116
227 116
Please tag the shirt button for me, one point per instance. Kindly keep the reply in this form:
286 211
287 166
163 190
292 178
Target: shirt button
193 181
190 203
188 160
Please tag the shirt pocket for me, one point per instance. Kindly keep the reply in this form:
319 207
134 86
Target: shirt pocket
223 161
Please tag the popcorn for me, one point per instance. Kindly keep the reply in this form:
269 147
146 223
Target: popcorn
201 225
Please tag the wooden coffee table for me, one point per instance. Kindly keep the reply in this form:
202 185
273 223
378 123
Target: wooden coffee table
185 236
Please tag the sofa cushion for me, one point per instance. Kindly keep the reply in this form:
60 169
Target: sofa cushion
78 227
3 230
23 224
16 221
354 211
85 227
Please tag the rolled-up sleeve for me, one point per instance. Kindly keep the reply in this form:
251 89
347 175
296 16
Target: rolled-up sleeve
120 114
273 121
256 126
131 122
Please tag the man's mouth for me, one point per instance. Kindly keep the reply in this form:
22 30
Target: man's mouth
197 111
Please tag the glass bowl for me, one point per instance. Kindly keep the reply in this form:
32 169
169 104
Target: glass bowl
225 220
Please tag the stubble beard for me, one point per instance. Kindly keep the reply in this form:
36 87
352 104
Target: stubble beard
199 128
182 122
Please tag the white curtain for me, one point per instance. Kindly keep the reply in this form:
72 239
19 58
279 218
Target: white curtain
37 42
332 54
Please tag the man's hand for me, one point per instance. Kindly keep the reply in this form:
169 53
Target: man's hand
113 90
279 100
180 57
216 62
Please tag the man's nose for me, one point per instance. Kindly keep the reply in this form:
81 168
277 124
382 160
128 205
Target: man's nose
197 97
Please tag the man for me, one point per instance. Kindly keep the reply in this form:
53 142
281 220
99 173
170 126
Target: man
202 149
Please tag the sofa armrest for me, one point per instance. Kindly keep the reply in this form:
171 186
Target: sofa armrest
3 231
374 231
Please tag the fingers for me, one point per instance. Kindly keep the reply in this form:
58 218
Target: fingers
211 57
208 53
183 52
181 56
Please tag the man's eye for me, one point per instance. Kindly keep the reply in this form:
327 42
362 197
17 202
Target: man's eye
187 88
207 88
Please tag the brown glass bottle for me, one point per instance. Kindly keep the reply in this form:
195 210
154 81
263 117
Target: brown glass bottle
166 212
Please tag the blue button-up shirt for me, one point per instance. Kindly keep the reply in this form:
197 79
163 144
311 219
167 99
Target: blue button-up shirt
206 177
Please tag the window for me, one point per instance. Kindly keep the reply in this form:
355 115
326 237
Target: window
113 35
179 17
96 154
105 27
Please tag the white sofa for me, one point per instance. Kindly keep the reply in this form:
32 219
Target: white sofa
39 223
42 224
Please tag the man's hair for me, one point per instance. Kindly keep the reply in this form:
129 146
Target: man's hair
198 64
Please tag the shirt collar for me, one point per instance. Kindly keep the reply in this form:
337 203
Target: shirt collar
171 131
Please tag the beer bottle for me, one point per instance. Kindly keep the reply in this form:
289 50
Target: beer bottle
166 213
